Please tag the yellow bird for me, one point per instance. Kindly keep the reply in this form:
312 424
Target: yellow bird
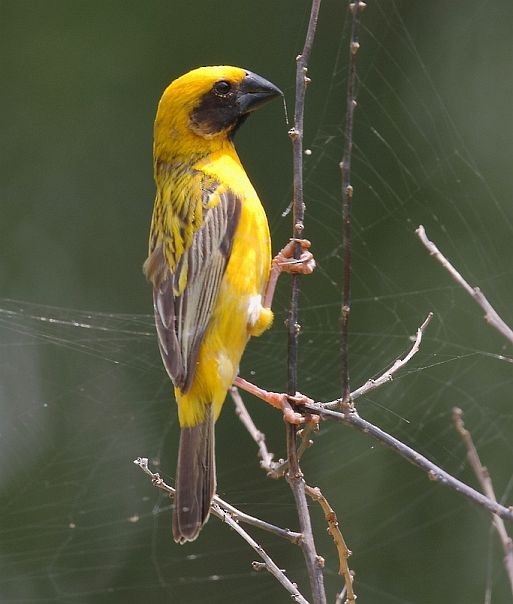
210 265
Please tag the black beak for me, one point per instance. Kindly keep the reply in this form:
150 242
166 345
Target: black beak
254 92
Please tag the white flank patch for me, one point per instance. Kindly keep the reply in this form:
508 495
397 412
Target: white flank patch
254 309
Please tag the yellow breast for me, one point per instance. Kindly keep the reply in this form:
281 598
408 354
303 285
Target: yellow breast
238 313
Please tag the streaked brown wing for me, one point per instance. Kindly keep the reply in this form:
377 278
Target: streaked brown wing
182 312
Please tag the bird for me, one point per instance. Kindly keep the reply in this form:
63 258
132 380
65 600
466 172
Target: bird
210 266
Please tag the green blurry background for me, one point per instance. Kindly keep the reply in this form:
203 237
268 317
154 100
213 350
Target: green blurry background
82 389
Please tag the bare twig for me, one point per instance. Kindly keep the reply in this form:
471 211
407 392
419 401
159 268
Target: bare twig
387 376
334 530
314 562
269 564
341 597
235 513
266 457
491 316
294 475
433 471
347 196
231 516
306 442
485 481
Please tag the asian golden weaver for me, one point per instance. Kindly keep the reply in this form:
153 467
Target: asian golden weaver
209 262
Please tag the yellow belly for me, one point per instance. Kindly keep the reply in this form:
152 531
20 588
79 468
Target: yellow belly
238 313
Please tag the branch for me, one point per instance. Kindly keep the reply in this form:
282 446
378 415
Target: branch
269 564
341 597
294 475
222 505
336 535
231 516
483 476
306 442
274 469
491 316
387 376
434 472
266 457
347 193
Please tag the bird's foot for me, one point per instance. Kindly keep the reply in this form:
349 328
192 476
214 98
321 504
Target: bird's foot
281 401
286 262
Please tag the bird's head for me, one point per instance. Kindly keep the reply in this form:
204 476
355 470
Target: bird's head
209 103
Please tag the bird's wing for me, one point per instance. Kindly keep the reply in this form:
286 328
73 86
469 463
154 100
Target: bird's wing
184 298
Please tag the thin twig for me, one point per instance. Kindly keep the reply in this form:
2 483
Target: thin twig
388 375
235 513
266 457
314 562
347 196
306 442
269 564
485 481
491 316
274 469
334 530
238 515
434 472
341 597
231 516
294 475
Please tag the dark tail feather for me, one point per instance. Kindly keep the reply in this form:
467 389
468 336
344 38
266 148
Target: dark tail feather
195 479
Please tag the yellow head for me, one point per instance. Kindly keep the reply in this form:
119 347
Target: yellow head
205 106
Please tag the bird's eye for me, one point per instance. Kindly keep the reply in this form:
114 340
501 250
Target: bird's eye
223 87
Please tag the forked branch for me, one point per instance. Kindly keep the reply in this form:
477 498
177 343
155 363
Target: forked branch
231 516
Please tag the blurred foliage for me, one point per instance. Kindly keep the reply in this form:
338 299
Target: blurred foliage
82 390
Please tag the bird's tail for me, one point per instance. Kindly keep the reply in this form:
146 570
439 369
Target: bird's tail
195 479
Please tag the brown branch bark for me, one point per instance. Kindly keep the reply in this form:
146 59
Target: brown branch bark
334 530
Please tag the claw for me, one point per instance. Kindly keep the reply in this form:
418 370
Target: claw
300 399
286 262
293 417
281 401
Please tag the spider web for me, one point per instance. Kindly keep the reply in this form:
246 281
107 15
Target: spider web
83 392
